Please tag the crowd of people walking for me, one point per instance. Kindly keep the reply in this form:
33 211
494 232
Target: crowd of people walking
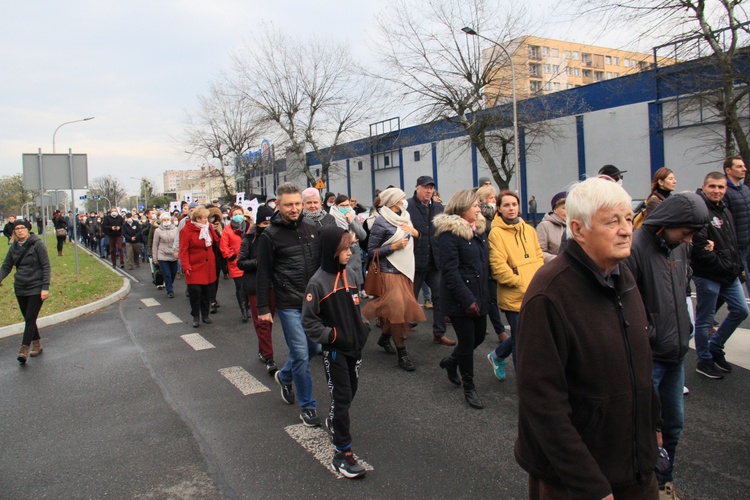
329 271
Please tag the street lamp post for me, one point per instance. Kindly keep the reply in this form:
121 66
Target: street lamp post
67 123
470 31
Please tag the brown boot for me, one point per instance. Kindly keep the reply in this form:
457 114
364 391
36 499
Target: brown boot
23 354
36 348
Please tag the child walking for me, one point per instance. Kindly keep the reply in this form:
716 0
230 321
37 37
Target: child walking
331 317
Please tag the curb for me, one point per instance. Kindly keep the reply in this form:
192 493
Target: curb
53 319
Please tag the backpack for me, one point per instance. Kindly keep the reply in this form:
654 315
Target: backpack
639 215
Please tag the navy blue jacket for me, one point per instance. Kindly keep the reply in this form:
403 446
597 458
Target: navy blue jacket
737 200
464 265
425 252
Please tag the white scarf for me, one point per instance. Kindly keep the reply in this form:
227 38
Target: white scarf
341 220
205 234
403 259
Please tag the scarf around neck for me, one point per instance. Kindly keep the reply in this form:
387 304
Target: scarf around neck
315 216
341 220
205 235
403 259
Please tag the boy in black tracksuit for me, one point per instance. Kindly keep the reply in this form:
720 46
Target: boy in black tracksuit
331 316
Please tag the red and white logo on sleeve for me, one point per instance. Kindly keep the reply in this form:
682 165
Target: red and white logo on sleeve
309 297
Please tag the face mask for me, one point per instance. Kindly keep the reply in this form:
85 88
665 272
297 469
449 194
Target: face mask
153 216
166 222
404 204
238 219
272 205
345 210
329 205
113 214
493 206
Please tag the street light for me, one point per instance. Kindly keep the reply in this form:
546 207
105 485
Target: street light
66 123
470 31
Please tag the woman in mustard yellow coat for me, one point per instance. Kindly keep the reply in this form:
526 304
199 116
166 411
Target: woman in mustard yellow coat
515 256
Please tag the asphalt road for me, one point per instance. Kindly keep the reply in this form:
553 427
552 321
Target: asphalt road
121 406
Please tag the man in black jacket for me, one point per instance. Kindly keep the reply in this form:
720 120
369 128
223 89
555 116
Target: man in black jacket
8 229
288 256
131 233
659 261
112 226
737 200
423 210
717 266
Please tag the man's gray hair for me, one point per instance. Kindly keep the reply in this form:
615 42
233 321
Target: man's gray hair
286 188
587 197
310 192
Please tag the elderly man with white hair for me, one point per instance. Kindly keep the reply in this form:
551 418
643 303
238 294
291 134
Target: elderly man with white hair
313 209
588 410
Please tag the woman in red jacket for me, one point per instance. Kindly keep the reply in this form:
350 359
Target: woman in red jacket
197 240
229 245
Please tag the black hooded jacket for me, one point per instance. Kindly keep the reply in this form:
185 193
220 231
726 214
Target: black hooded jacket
722 264
661 271
330 311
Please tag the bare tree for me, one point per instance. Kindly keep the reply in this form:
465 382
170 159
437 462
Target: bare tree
309 89
223 129
444 74
109 187
716 31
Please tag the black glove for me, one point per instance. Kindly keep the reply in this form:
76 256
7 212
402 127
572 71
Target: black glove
230 259
472 311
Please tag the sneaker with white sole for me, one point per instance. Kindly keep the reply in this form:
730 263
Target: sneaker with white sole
309 417
287 392
720 361
707 368
345 464
498 365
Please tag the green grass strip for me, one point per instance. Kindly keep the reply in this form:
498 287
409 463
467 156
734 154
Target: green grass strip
68 290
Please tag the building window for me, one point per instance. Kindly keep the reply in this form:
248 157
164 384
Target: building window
416 156
607 59
626 62
546 86
609 75
569 71
535 52
567 54
576 56
545 51
555 52
359 165
617 75
317 172
587 73
386 160
555 69
535 86
548 68
568 85
556 86
535 70
577 71
616 61
598 76
587 59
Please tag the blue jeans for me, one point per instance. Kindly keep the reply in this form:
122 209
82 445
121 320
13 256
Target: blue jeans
743 256
301 351
168 271
103 246
707 292
508 346
669 381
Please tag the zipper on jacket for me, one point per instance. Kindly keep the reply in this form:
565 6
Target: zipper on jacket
624 328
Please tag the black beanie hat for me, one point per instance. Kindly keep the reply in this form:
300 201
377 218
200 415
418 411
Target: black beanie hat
22 222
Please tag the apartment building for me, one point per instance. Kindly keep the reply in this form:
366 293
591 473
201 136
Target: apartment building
544 65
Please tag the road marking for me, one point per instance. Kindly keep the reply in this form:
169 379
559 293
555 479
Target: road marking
149 302
316 441
242 380
197 342
169 318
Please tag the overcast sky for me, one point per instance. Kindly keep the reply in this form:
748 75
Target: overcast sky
137 67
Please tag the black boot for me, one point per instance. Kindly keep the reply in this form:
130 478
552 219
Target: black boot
404 362
450 365
385 342
242 299
473 399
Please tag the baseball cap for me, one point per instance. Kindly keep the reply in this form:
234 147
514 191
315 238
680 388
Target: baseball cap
611 171
425 180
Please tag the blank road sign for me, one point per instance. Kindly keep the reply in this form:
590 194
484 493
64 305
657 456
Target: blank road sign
56 170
